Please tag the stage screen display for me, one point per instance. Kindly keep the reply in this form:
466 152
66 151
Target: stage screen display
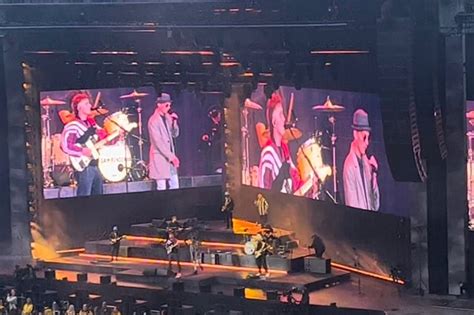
120 140
470 160
321 144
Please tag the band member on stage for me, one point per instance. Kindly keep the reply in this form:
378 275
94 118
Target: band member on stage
77 132
174 226
317 245
212 141
171 246
195 252
269 236
115 239
276 170
227 209
261 252
361 189
262 208
163 128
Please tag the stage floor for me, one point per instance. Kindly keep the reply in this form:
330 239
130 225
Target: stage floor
134 186
143 260
132 271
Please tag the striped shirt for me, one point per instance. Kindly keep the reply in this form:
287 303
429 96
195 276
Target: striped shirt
73 131
262 206
271 160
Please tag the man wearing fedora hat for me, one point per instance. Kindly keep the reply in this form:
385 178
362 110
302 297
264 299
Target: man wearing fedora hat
162 128
361 188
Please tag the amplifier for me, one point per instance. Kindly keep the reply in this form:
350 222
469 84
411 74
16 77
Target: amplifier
317 265
211 258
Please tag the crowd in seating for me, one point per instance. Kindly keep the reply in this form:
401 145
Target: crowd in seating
14 304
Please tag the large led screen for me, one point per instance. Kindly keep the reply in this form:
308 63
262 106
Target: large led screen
321 144
122 140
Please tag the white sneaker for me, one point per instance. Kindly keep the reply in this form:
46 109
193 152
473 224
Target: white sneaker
178 275
267 275
258 274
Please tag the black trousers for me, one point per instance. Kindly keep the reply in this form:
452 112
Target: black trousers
174 255
263 219
228 219
262 262
115 250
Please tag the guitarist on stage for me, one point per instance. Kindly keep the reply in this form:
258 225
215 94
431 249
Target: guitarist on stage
261 252
115 239
171 246
76 133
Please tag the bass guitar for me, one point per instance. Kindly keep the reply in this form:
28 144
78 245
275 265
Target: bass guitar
170 246
79 163
265 247
115 240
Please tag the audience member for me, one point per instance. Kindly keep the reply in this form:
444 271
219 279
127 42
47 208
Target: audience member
71 310
85 310
3 310
103 309
12 303
27 307
116 311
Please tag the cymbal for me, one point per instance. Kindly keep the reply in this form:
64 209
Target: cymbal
292 134
48 101
252 105
133 95
329 107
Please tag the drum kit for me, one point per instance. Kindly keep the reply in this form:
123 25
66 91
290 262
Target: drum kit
309 157
116 162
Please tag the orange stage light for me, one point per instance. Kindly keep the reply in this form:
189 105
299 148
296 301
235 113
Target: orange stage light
190 264
230 64
366 273
162 240
70 251
339 52
113 53
188 52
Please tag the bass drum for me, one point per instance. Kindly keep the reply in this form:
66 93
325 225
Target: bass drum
249 248
114 161
308 157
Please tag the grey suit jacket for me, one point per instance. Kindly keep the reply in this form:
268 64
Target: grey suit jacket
162 150
358 193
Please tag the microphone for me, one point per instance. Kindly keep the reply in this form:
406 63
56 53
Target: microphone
174 116
291 124
374 165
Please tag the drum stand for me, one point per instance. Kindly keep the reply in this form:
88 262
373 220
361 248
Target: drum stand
245 153
332 121
140 129
47 145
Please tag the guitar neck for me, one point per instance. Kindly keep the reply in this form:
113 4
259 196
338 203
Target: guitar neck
104 141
